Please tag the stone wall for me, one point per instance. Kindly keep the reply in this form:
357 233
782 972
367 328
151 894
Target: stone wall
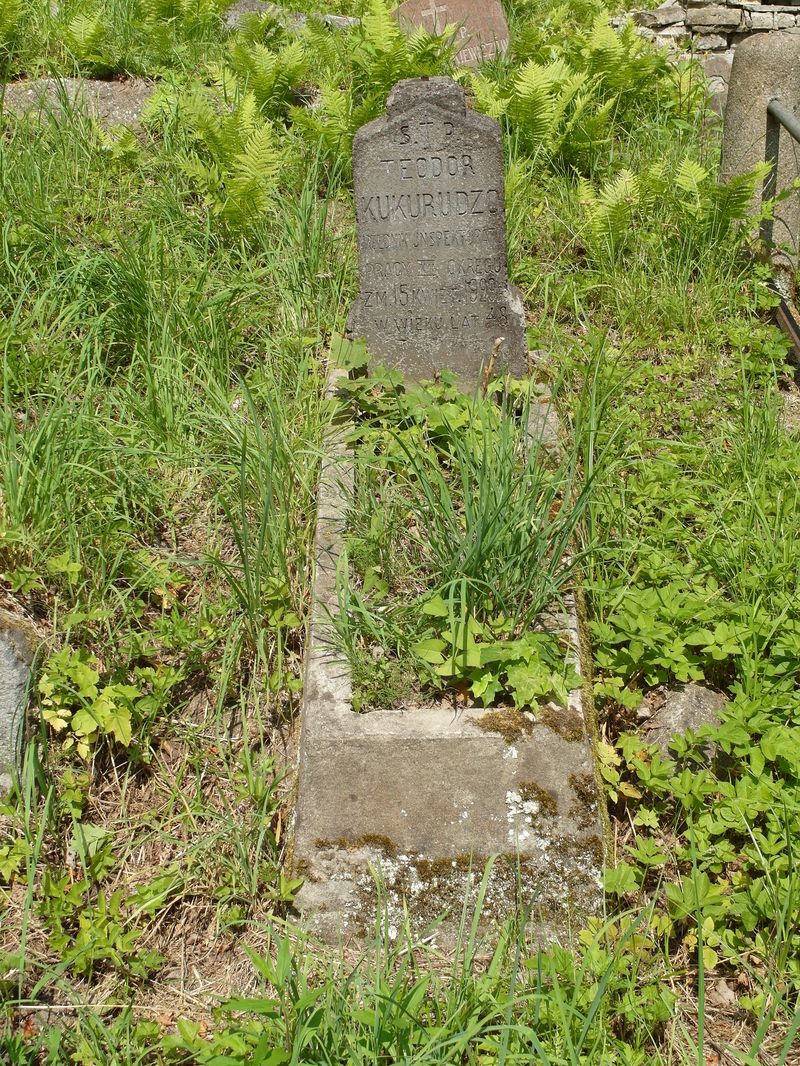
712 31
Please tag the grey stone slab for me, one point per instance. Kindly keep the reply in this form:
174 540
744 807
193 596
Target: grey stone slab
481 33
665 15
671 36
430 212
711 42
17 647
684 707
765 65
290 20
718 65
110 102
420 798
715 17
760 20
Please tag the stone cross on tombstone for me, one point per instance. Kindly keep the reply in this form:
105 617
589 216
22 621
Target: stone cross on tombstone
433 13
482 28
430 212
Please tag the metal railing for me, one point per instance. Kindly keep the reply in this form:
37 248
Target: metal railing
777 116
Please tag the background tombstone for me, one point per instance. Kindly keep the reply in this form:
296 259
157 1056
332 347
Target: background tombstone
482 28
765 66
430 212
16 657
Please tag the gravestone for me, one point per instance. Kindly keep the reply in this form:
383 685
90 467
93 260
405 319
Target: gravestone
16 657
764 67
430 211
482 31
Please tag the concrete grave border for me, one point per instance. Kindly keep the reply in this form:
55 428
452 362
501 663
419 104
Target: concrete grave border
404 807
18 645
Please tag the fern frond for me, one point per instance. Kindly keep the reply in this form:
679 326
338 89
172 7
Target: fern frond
158 10
205 176
690 176
260 160
604 45
205 124
608 214
161 107
323 47
83 34
540 96
381 31
488 99
247 118
10 19
732 200
271 76
253 178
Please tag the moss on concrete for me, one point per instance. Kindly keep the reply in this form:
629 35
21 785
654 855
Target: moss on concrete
548 801
584 808
375 841
510 723
564 721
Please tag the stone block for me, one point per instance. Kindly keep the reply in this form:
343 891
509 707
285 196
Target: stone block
430 224
711 42
785 21
17 646
760 20
718 65
665 15
424 796
714 18
672 34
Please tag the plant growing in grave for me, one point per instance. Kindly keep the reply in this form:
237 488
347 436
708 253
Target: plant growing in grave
231 159
10 30
354 75
460 537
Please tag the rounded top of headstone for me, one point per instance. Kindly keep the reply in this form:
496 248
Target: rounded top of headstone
774 48
443 92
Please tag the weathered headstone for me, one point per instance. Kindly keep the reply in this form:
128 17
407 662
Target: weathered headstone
430 211
765 67
16 656
482 28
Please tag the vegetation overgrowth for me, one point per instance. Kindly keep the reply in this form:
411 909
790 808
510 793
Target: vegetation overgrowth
168 300
460 545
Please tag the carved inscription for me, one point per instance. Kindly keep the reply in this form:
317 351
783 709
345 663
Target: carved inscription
480 26
431 235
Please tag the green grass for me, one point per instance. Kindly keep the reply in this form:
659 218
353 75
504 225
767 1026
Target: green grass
461 534
167 303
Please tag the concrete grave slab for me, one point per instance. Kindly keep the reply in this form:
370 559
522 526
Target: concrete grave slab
482 29
112 103
290 20
421 797
17 646
430 218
